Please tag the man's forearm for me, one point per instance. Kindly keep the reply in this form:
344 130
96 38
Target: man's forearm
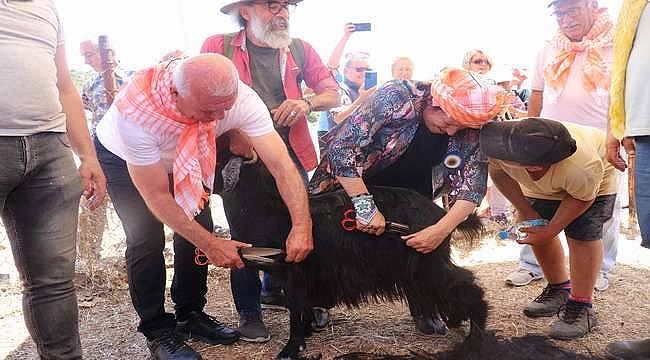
535 103
570 209
511 190
76 125
326 100
165 209
293 192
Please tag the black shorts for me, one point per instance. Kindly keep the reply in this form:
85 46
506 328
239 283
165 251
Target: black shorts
586 227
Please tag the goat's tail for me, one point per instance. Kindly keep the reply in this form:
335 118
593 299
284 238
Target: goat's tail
471 232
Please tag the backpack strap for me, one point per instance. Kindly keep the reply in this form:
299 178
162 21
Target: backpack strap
227 47
297 50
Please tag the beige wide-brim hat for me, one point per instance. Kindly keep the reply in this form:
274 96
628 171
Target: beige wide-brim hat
228 8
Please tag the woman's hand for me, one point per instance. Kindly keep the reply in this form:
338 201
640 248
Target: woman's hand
427 239
348 29
365 93
376 226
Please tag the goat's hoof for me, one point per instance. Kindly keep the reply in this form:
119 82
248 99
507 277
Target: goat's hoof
321 319
439 326
292 350
430 325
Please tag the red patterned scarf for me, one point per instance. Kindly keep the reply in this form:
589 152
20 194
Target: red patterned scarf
147 100
595 75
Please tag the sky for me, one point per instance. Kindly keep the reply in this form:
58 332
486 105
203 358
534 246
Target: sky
434 33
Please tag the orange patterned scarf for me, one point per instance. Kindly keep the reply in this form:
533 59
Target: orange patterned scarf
467 97
147 100
596 76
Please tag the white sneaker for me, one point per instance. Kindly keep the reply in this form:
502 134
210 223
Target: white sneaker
602 283
522 277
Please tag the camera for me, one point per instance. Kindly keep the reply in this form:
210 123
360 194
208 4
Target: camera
361 26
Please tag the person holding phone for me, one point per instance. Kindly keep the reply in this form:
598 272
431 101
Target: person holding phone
400 137
351 83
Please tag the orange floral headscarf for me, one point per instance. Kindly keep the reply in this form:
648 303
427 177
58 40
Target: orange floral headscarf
147 100
467 97
595 75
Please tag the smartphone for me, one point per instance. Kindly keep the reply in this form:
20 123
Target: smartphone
370 79
361 26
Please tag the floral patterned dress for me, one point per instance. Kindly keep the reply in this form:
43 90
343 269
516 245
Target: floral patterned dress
378 133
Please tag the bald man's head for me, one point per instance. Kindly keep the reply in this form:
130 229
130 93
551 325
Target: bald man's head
205 86
206 74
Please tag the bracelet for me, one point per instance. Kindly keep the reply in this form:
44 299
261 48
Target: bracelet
357 195
310 104
365 208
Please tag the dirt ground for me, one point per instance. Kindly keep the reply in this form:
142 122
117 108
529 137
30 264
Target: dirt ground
108 327
108 321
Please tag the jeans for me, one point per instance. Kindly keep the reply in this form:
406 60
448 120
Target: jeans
642 187
145 263
40 190
528 262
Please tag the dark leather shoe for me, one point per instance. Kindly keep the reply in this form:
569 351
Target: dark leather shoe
429 325
201 326
169 346
321 319
628 350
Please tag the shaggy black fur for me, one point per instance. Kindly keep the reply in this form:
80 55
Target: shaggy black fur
354 268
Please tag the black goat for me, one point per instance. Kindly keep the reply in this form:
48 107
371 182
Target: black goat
353 268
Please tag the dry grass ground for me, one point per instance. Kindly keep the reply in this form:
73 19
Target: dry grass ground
108 321
108 327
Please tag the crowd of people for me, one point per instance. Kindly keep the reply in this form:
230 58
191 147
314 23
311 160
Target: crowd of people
551 151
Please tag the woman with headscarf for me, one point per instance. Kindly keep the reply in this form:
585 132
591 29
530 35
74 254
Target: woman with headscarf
402 137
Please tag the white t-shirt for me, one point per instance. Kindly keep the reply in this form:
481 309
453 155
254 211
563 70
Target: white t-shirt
30 35
139 147
574 104
637 81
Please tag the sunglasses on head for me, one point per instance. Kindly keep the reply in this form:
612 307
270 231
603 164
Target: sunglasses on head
360 68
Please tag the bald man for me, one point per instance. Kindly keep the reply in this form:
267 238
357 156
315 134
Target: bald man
162 128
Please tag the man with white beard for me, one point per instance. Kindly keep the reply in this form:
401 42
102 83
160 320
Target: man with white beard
274 65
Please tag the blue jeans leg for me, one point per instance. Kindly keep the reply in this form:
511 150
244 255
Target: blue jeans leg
39 197
245 285
642 187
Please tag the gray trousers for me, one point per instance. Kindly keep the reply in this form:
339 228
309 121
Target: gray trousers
39 198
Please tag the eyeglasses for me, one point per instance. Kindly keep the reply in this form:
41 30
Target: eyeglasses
480 62
275 7
570 12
